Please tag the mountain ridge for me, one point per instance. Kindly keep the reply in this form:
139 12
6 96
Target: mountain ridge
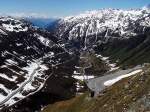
46 60
29 56
108 30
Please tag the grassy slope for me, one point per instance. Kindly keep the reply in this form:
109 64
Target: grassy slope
77 104
132 51
116 98
98 66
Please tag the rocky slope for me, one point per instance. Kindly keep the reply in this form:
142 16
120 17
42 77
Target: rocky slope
115 33
118 39
36 66
114 23
28 58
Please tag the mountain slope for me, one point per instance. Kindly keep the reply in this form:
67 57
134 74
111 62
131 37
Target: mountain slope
120 23
112 32
28 57
130 94
36 66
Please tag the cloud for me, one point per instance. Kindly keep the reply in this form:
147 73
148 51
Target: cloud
28 15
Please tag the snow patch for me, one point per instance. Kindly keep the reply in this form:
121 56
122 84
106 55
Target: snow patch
76 73
83 77
13 79
2 97
4 88
42 39
31 68
29 87
2 32
112 81
107 61
15 28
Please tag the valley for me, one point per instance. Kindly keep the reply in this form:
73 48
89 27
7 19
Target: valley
113 46
97 61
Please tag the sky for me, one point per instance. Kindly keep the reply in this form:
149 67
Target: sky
62 8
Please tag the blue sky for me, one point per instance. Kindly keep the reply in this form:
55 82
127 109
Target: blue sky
59 8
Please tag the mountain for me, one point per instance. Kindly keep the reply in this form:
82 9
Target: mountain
29 57
41 22
42 66
147 7
119 34
114 49
117 23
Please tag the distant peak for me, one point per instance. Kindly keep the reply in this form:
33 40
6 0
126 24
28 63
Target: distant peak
146 7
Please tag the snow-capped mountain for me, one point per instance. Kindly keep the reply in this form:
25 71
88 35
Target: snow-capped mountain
100 25
33 59
28 57
10 24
